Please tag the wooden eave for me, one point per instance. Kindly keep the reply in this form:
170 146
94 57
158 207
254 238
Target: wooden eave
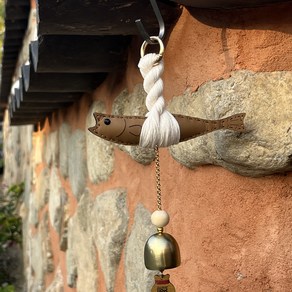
16 19
79 43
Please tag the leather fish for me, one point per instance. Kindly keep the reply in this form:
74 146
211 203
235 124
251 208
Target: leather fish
126 129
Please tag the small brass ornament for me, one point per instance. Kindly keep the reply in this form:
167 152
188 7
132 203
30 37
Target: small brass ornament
161 252
162 284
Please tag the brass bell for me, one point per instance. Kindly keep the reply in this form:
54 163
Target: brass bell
161 252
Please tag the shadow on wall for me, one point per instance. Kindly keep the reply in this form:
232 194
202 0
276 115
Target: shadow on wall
275 17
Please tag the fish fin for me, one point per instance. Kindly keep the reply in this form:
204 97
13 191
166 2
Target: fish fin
234 123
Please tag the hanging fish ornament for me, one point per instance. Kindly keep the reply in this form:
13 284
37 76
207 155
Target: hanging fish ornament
127 129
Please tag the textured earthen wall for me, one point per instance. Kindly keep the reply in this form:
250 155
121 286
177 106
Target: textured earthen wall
88 202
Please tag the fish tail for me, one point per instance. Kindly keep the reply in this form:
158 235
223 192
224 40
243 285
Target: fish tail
234 122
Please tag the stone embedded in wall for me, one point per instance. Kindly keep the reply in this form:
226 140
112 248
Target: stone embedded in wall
101 223
39 141
77 162
39 254
83 212
138 278
71 257
35 272
58 283
100 158
33 214
16 152
64 136
26 133
109 217
133 104
63 243
81 253
52 148
57 200
47 252
265 148
41 194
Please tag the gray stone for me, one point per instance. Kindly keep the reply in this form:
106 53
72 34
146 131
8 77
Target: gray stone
39 254
83 212
265 147
25 144
47 252
64 136
12 151
71 257
57 200
100 158
77 162
41 194
64 235
35 271
133 104
58 284
80 258
33 216
138 278
109 219
39 149
27 184
52 148
26 138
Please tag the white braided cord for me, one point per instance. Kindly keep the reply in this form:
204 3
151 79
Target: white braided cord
160 127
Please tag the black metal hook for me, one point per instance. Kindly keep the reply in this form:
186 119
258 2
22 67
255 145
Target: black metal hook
141 27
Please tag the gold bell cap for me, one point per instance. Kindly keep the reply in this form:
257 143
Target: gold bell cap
161 252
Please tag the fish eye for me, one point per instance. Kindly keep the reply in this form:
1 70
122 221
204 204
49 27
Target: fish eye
107 121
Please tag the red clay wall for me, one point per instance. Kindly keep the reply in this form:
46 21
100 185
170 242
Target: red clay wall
234 232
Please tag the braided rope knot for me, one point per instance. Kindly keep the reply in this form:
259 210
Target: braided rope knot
160 127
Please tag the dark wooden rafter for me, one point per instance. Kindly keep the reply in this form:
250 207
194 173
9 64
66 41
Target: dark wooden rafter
79 54
19 105
45 97
31 108
99 17
226 4
74 59
60 82
27 119
16 19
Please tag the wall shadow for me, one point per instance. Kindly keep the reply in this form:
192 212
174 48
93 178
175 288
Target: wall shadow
276 17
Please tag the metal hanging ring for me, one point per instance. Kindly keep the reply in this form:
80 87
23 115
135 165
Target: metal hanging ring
155 39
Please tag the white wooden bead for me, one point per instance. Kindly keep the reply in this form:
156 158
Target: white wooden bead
160 218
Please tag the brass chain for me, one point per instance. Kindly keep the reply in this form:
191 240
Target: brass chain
158 185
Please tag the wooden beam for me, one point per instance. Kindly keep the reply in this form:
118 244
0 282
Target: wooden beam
15 24
99 17
226 3
25 120
16 12
14 34
46 97
60 82
79 54
13 41
30 112
18 2
30 116
19 106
